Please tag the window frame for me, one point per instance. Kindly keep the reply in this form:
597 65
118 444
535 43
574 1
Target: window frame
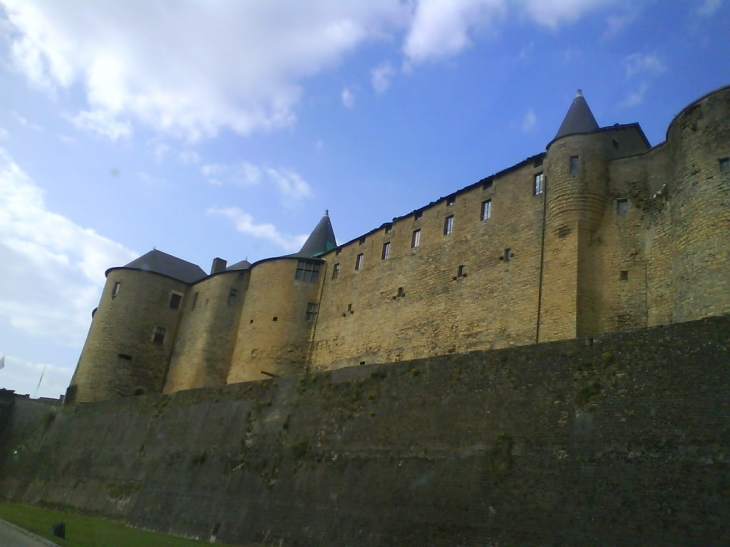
335 270
449 225
385 255
574 165
538 184
307 271
116 288
486 213
416 239
172 300
158 334
359 261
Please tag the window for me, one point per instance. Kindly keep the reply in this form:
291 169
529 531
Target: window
573 165
359 261
448 225
487 184
624 275
400 294
507 255
418 215
195 300
539 186
537 162
338 251
312 311
486 209
386 250
175 300
615 143
158 335
336 271
450 201
460 272
622 206
416 239
232 297
389 228
725 165
362 241
115 290
307 270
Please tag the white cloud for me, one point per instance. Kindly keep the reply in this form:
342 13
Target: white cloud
348 99
25 123
551 13
381 76
529 121
189 157
635 97
4 135
288 182
188 68
441 28
245 224
639 63
709 7
52 269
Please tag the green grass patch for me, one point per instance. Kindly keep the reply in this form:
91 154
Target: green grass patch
82 531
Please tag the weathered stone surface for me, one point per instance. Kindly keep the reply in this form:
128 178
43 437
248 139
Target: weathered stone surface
619 440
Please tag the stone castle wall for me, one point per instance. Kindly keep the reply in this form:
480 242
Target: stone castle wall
618 440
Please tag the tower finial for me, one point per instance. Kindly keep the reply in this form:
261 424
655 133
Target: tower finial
326 212
579 93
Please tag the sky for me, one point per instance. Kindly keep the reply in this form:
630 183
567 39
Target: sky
226 128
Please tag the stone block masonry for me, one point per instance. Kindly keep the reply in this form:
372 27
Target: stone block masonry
615 440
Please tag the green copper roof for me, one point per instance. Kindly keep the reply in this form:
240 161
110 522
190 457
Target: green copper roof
171 266
579 118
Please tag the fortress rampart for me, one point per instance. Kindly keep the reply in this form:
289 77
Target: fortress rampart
599 233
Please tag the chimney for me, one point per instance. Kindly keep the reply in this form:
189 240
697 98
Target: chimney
218 265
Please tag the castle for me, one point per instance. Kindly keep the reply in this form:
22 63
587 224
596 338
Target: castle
601 232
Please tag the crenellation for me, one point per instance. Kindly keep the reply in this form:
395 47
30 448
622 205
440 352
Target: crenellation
599 233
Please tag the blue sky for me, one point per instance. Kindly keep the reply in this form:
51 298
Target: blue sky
226 128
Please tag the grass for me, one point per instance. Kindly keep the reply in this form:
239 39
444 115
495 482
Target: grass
84 531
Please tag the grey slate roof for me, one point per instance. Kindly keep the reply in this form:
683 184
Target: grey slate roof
321 240
171 266
579 118
243 265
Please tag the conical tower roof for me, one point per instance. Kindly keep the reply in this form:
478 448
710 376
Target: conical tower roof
579 118
165 264
321 240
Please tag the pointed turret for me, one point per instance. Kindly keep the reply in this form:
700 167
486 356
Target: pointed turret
321 240
579 118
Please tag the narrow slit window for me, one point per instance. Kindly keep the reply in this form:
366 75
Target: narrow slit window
622 206
507 255
486 209
461 272
232 297
386 250
573 165
725 165
415 239
117 287
448 225
336 271
359 261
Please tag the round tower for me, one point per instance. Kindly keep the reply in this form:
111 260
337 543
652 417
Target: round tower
280 310
699 204
207 332
132 333
576 169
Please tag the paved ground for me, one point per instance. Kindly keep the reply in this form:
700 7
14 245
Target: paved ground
13 536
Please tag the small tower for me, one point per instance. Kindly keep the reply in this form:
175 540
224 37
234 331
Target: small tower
127 351
577 193
280 310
